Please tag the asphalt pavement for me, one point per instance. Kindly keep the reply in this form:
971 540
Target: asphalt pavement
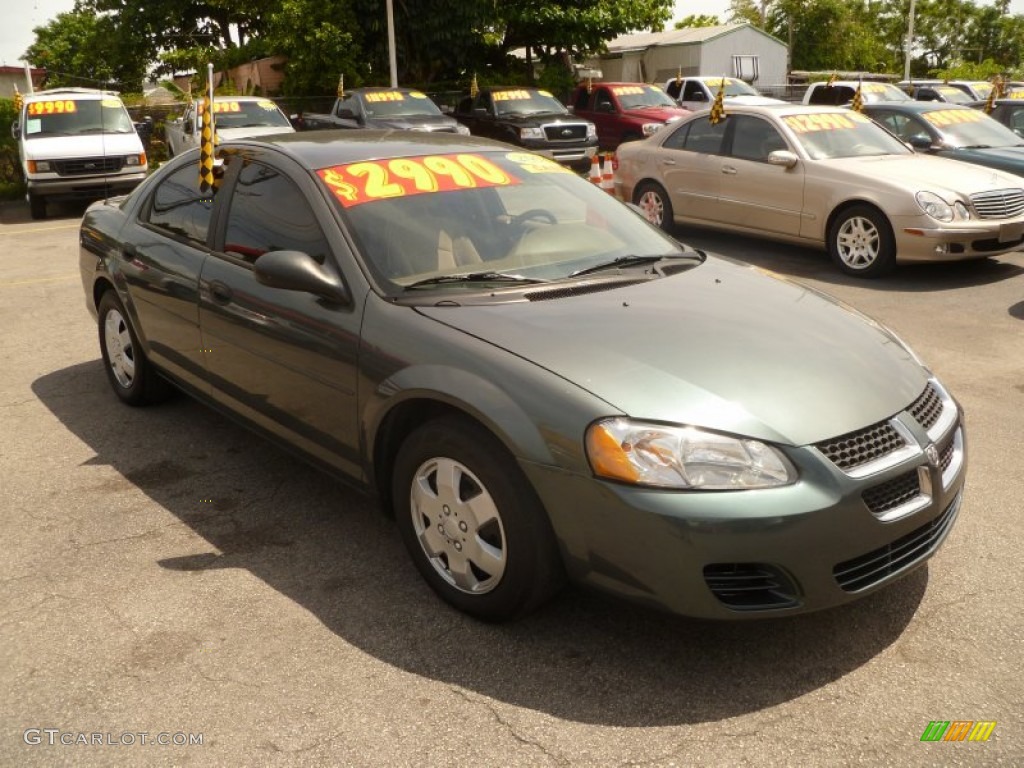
168 577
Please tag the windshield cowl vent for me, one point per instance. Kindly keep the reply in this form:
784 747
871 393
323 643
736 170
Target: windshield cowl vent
578 290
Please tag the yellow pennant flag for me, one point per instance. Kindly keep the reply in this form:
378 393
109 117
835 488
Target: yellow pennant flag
19 100
208 180
857 105
474 89
341 86
990 102
718 106
831 79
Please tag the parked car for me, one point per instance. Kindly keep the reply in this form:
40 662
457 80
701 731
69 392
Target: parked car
235 117
976 90
76 144
1009 112
399 108
531 118
840 92
698 92
530 377
953 131
940 92
822 176
624 111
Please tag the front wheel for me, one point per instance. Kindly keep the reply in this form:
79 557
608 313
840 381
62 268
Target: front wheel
471 522
37 206
653 201
861 242
131 375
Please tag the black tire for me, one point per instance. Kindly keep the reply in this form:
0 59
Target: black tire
37 206
653 200
497 568
861 242
130 373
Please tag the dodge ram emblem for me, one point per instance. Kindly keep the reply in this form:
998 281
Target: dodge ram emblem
933 455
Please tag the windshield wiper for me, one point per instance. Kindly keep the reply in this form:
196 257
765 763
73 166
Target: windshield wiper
474 277
976 146
622 262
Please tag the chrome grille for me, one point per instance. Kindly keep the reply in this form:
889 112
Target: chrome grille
946 454
893 493
565 131
82 166
750 586
857 448
999 203
875 566
927 408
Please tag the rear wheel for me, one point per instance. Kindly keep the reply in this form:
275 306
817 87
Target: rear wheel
861 242
654 202
471 522
131 375
37 206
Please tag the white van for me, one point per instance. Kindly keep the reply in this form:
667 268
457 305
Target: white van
77 143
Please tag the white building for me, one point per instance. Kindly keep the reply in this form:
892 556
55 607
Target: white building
735 50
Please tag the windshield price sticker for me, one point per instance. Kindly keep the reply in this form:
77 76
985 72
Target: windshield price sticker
385 96
627 90
358 183
417 94
716 81
510 95
536 163
825 122
226 106
268 105
954 116
51 107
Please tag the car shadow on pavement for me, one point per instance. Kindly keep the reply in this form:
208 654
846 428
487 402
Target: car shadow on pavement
814 263
584 657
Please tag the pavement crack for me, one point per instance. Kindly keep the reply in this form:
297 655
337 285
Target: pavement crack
509 728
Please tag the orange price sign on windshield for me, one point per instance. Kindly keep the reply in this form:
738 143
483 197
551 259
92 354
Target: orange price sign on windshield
51 107
370 180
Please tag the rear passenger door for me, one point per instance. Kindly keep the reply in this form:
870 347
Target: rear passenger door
691 168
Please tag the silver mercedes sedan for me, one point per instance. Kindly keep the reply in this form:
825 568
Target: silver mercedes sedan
824 176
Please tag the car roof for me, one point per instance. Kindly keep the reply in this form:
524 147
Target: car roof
781 109
618 83
70 93
916 106
323 149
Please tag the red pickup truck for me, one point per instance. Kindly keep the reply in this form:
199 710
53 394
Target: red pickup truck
624 111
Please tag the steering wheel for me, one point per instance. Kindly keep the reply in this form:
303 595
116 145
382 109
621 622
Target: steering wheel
539 214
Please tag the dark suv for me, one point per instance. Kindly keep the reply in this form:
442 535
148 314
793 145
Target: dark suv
530 118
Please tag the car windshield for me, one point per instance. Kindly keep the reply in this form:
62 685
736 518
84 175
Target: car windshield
249 114
952 94
982 88
640 96
832 135
875 92
733 87
495 214
398 104
966 127
70 117
525 102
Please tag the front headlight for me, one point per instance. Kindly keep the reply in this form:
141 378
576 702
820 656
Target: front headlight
39 166
650 129
591 131
135 160
662 456
461 129
531 133
934 206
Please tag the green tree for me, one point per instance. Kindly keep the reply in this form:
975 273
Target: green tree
697 20
322 40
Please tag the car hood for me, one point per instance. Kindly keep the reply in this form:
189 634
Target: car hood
719 346
1009 159
664 114
542 118
431 122
924 172
86 145
250 131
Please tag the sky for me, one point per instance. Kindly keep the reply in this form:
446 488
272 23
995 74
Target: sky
19 17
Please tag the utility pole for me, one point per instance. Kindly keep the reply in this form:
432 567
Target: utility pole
910 42
392 60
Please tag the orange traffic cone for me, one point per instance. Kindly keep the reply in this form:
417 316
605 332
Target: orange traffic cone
608 176
595 170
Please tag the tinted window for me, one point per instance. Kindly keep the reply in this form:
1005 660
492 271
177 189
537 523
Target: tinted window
705 137
269 213
832 95
754 138
603 102
673 89
179 207
693 92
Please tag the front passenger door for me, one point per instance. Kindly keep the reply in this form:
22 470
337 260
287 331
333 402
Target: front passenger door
284 359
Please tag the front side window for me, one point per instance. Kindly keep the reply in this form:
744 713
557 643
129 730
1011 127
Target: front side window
754 138
269 213
179 208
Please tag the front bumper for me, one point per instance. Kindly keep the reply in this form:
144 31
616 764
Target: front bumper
962 240
577 155
816 544
85 187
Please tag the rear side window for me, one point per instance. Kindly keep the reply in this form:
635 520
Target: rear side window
698 136
832 95
269 213
179 208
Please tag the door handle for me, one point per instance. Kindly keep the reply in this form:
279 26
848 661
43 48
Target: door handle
728 170
220 292
666 161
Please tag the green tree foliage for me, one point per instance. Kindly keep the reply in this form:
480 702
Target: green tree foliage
322 40
697 20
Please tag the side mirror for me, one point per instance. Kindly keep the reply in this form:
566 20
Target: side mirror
189 126
920 143
606 106
480 111
783 157
298 271
15 130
